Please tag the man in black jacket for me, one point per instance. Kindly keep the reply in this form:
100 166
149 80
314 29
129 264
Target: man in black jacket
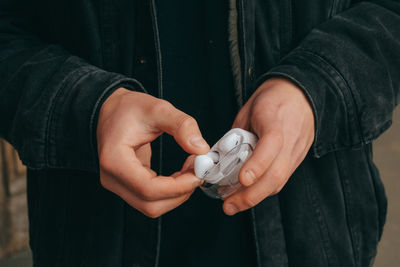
88 86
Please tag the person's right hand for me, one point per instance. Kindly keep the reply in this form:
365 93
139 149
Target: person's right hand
128 123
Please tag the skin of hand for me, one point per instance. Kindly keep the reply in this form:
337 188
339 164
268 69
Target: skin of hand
280 115
128 122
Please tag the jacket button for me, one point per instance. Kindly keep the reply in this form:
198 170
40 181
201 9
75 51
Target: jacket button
142 61
251 73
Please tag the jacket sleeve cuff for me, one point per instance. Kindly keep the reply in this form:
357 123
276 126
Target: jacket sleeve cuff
72 127
336 123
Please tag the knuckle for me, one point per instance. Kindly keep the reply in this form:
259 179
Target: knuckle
104 182
146 193
277 176
162 107
177 192
187 196
103 159
249 201
258 166
152 211
276 191
186 121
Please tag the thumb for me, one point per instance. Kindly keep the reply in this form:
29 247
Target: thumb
183 128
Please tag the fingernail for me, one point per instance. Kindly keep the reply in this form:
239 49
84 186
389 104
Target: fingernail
249 177
198 141
230 209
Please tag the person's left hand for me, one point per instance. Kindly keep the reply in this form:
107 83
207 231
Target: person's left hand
280 115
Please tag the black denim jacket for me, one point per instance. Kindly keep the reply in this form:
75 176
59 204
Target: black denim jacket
59 60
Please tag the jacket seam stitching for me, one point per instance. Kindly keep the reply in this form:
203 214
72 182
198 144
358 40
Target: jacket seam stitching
51 116
56 118
348 203
319 219
353 107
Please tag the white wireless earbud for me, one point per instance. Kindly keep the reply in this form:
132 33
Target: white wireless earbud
214 155
203 163
229 142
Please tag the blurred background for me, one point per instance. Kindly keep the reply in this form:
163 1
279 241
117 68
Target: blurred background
14 249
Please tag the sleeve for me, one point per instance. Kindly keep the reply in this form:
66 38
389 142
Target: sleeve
349 68
48 97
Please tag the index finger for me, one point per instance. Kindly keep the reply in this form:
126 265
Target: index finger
181 126
130 172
